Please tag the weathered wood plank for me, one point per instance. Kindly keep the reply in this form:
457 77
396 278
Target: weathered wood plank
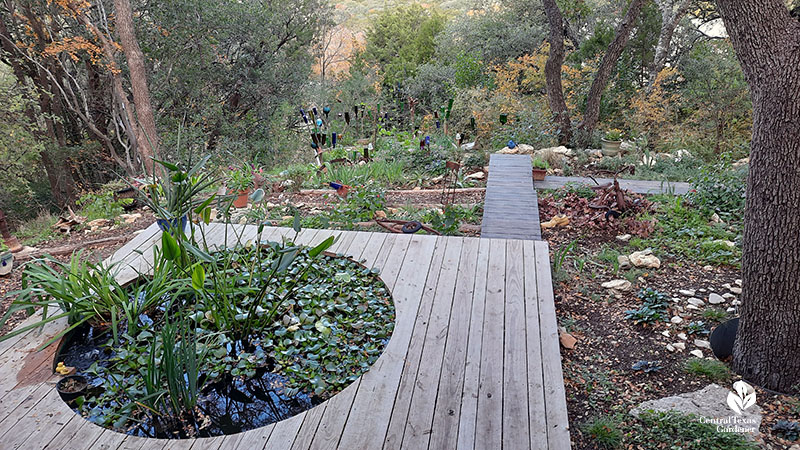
310 424
397 422
515 363
555 399
489 428
536 401
451 382
369 417
423 400
469 398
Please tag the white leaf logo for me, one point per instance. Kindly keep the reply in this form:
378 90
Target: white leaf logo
742 397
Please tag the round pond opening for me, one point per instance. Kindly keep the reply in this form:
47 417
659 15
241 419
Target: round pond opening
248 340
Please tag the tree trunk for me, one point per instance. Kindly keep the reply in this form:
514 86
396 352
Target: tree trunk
767 43
672 11
552 71
148 143
623 33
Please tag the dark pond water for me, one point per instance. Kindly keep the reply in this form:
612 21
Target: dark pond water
227 405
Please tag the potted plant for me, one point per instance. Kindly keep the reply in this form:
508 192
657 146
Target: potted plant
611 142
172 196
540 167
239 182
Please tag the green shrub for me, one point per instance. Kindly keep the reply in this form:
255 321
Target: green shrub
712 369
721 189
605 431
101 205
653 309
674 430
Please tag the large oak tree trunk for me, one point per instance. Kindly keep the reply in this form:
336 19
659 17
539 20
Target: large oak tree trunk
148 144
552 71
767 42
623 33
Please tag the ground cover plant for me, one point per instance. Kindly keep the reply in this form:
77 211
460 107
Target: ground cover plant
213 339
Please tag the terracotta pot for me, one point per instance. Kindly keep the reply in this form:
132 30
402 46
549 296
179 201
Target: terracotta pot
610 148
539 174
241 200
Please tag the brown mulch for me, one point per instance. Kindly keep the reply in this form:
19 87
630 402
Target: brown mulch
13 281
598 373
393 198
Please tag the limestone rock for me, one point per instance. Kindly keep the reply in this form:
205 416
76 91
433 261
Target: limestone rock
696 353
687 292
696 301
715 299
709 402
702 343
645 259
618 285
476 176
624 262
624 237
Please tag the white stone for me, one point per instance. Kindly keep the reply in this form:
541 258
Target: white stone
665 333
727 243
715 299
728 295
708 268
715 218
676 319
736 303
702 343
476 176
619 285
624 262
682 336
679 346
697 353
696 301
709 402
645 259
693 307
687 292
738 282
624 237
736 290
670 347
730 310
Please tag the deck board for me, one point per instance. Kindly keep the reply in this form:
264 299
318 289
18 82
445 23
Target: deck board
473 361
510 208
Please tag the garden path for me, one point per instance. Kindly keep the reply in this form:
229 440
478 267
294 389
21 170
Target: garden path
510 208
473 361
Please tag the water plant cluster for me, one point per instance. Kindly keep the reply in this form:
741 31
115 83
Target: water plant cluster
212 339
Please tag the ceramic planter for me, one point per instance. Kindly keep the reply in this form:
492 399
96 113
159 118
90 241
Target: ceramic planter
539 174
610 148
6 263
72 387
241 200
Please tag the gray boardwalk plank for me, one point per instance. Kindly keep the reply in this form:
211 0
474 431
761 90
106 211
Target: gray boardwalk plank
489 428
555 398
510 209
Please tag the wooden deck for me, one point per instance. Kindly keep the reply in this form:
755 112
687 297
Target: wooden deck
473 362
510 208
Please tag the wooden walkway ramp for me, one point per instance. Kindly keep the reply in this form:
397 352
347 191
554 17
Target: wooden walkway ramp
473 362
510 208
